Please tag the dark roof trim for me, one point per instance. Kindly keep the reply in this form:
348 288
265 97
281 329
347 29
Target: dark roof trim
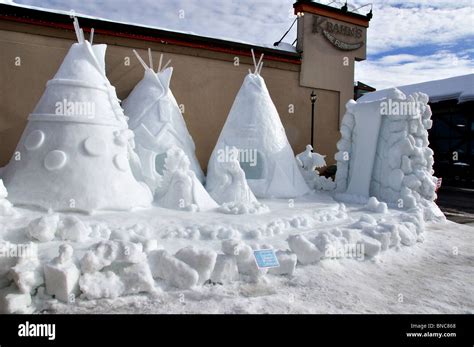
104 27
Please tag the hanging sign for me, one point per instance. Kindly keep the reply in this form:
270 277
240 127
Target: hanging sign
331 31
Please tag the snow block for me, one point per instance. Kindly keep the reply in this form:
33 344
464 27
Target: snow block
138 278
62 276
174 271
371 246
27 274
13 301
287 262
237 248
43 229
99 285
201 260
407 236
306 252
225 270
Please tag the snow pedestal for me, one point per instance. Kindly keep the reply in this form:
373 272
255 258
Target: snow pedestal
73 154
384 153
156 119
62 276
254 127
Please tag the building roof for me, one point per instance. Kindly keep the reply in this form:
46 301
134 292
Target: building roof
460 88
62 19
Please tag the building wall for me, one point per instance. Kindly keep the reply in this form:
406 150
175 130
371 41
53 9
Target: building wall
205 82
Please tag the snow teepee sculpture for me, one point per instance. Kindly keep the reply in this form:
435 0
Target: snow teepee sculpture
254 127
180 188
73 154
156 119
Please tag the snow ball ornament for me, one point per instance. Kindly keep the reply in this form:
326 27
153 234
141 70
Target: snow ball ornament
34 140
95 146
55 160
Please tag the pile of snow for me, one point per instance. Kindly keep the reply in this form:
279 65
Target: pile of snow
6 207
156 120
180 189
73 154
68 228
384 153
376 206
253 126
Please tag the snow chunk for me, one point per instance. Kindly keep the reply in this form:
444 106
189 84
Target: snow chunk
376 206
201 260
62 276
98 285
138 278
370 246
306 252
12 301
243 208
287 262
27 274
237 248
6 207
174 271
71 228
44 228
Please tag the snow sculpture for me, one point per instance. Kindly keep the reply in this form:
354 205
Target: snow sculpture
254 127
156 119
6 207
308 162
383 151
180 188
73 154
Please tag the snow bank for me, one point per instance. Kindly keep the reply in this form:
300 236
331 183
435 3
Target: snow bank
384 153
180 189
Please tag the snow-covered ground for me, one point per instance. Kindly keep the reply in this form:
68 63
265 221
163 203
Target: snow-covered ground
433 276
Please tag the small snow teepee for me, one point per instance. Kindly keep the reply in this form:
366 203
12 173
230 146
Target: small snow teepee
73 154
156 119
254 127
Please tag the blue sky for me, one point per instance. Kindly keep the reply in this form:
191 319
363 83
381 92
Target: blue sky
409 41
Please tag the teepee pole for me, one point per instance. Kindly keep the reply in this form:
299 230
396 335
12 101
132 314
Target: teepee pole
254 61
161 62
91 37
77 29
260 68
141 60
150 58
257 70
166 65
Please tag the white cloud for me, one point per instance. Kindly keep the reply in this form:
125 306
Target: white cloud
390 71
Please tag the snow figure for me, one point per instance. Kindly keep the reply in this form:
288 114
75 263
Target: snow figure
156 119
308 162
180 188
73 154
6 207
232 190
384 153
254 127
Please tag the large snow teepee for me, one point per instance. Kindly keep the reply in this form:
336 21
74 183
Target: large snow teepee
254 127
156 119
73 154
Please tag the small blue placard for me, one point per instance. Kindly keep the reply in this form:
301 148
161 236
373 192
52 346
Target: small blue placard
266 258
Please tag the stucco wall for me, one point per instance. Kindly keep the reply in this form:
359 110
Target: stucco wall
204 82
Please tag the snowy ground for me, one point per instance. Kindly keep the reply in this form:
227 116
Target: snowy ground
425 278
434 276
